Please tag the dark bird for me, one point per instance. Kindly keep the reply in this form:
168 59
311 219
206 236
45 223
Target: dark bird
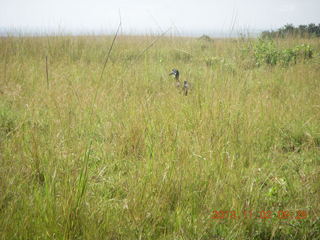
185 88
176 75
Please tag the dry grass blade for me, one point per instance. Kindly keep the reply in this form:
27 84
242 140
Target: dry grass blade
47 72
149 46
104 65
109 51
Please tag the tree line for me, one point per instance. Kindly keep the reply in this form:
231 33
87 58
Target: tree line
310 30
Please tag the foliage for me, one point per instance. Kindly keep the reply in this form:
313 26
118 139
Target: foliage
289 30
266 52
206 38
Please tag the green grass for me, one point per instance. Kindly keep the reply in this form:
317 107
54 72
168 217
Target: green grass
129 157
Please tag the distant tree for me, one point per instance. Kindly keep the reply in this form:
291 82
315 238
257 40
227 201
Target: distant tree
290 30
312 29
302 30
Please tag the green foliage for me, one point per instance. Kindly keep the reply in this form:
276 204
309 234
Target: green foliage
288 56
289 30
304 51
266 52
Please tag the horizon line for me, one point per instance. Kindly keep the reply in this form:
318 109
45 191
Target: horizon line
37 32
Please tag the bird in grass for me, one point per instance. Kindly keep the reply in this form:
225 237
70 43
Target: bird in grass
176 74
185 88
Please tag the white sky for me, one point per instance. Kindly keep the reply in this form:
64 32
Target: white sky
146 16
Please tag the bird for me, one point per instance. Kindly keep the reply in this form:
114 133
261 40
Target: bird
185 88
176 74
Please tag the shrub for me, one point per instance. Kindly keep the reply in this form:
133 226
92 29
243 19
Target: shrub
265 52
288 56
304 51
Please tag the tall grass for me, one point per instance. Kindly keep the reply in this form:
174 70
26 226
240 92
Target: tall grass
138 160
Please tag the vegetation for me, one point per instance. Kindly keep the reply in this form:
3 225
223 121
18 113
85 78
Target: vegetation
289 30
266 52
124 155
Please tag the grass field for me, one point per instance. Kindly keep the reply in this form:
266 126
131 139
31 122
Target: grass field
125 155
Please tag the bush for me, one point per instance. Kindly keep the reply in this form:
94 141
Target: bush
288 56
304 51
265 52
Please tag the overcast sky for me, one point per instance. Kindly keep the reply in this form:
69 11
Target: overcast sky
146 16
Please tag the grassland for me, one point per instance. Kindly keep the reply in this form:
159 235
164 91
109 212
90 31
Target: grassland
126 156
